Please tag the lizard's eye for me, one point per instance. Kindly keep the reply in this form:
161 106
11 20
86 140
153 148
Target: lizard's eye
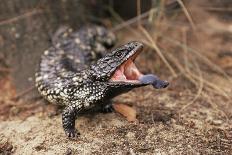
119 54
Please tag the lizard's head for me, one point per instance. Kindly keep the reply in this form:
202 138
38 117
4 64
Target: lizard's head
118 69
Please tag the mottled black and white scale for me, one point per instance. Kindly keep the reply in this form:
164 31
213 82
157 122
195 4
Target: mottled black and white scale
76 71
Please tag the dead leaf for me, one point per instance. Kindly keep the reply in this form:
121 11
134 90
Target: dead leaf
126 111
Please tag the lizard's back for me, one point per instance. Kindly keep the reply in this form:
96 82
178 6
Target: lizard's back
71 53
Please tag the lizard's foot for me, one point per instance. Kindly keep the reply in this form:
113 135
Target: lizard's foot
108 108
68 120
72 133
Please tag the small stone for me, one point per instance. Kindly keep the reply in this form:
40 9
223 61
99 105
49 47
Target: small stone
130 135
216 122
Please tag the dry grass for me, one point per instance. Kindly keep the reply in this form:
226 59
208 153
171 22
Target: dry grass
172 40
192 116
181 59
19 17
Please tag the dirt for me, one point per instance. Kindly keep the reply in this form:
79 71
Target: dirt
170 121
34 128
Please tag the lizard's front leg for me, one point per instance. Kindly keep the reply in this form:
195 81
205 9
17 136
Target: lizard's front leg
69 115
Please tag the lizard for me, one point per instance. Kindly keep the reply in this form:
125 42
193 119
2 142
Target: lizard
78 72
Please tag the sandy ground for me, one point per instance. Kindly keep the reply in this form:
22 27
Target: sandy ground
163 125
159 130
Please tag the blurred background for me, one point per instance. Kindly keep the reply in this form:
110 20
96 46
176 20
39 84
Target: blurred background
187 42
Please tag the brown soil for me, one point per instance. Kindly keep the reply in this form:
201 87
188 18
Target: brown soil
172 121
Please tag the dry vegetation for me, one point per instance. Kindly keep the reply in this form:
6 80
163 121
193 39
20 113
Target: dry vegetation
190 47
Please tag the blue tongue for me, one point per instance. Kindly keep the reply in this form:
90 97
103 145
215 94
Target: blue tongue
154 81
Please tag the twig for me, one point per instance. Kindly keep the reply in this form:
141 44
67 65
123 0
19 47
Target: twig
193 78
187 14
153 44
23 93
202 57
214 86
131 21
160 14
200 90
189 75
181 69
218 9
25 15
214 105
139 12
201 84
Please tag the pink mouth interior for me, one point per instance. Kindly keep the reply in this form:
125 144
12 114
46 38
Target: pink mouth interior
127 72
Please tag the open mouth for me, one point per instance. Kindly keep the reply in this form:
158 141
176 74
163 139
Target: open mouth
127 72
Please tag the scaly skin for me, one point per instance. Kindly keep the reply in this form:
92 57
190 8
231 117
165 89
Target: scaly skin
74 73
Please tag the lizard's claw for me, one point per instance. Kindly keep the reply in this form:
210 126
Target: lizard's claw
72 133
